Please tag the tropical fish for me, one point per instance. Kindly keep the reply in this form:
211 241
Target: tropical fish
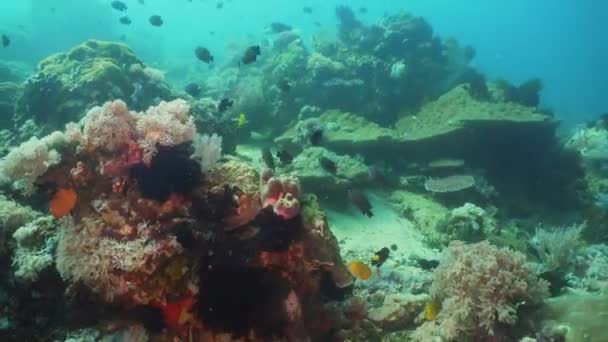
119 5
360 201
6 41
251 54
328 165
380 257
431 309
63 202
316 137
359 270
125 20
284 86
193 89
307 10
241 120
285 157
156 20
278 27
203 54
224 104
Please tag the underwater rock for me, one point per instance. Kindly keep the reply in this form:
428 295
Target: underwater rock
398 311
67 83
314 178
9 94
347 133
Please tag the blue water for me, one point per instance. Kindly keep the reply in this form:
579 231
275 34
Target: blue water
562 42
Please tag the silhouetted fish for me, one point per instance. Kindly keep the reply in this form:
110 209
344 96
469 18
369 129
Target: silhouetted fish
219 5
277 27
6 41
193 89
328 165
156 20
284 86
316 137
203 54
119 5
285 157
360 201
125 20
307 10
251 54
380 257
224 104
267 157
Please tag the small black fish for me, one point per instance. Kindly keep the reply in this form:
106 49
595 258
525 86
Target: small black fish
284 86
251 54
125 20
277 27
219 5
316 137
6 41
363 10
380 257
268 158
328 165
156 20
307 10
119 5
285 157
360 201
193 89
224 104
141 2
427 264
212 33
203 54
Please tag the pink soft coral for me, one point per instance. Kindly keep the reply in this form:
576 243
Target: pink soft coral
479 286
167 124
109 127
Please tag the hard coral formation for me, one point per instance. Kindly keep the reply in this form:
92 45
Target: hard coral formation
481 288
90 74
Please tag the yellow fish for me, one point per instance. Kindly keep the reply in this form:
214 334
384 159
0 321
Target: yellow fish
431 309
359 270
241 120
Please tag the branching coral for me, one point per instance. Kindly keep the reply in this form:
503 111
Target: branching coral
557 248
479 286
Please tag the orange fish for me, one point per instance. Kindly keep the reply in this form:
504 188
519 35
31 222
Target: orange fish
359 270
176 314
63 202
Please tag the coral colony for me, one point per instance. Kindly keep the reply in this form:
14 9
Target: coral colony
372 186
